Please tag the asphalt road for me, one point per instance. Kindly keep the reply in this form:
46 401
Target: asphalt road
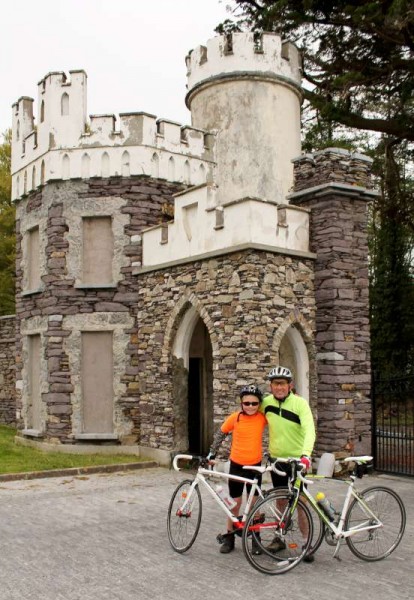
103 537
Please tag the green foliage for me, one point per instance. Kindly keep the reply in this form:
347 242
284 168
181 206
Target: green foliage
358 56
392 281
359 87
7 231
15 458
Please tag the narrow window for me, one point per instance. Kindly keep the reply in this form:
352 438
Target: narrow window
64 105
125 167
186 172
33 259
65 167
34 178
42 111
25 183
85 166
42 173
171 169
201 174
18 131
98 250
105 165
155 166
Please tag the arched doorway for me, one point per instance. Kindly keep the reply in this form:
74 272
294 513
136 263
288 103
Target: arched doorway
200 378
192 385
294 355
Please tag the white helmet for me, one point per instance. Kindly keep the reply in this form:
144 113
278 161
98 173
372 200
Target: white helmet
280 373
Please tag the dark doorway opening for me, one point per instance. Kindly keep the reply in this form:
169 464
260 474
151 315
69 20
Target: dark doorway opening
200 391
195 422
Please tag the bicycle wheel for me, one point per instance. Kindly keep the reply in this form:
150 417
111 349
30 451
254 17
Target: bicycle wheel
183 525
270 524
388 508
319 526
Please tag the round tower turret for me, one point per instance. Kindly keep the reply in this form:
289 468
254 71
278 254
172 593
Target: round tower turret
247 90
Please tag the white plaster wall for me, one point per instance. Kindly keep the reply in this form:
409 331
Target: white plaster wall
195 231
212 59
61 141
140 161
251 100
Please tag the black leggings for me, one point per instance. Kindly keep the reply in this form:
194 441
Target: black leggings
236 487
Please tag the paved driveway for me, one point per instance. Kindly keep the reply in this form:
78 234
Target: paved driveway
103 537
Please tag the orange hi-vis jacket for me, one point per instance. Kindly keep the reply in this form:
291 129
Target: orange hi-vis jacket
247 433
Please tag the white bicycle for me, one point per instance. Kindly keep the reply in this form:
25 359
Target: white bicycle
185 508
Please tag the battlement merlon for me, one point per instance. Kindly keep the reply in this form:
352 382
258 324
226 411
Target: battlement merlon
62 126
244 53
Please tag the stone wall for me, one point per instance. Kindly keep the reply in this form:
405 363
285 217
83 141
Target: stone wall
244 299
338 195
8 370
134 203
332 165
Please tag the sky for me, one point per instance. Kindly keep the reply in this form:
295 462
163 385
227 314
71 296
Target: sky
133 51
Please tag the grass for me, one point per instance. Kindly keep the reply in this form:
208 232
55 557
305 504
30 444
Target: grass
22 459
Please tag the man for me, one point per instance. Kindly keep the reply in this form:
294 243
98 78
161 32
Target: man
291 428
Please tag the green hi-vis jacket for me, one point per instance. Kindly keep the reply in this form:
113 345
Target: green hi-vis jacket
291 426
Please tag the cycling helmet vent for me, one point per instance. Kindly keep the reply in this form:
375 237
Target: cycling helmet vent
251 390
280 373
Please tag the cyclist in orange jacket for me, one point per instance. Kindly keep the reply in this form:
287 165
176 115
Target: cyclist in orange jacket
246 426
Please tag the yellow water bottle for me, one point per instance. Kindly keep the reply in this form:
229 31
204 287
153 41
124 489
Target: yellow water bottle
326 506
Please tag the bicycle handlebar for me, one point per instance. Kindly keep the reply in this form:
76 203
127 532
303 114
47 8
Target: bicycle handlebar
298 473
177 457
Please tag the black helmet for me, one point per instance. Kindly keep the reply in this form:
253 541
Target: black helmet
251 390
280 373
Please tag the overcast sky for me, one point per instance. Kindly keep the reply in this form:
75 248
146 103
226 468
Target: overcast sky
133 51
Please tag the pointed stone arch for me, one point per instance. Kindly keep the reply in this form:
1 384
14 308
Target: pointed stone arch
185 304
190 345
293 344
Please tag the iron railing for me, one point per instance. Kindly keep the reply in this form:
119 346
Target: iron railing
393 425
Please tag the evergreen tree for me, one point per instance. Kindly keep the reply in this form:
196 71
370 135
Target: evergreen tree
358 56
358 69
7 230
391 288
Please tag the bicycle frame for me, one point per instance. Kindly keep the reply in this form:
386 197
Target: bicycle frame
337 529
203 476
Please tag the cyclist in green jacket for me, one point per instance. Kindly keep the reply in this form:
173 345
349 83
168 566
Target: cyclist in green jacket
291 427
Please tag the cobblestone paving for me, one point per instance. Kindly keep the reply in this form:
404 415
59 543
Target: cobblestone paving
103 537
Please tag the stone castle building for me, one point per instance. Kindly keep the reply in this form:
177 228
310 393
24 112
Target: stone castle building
160 267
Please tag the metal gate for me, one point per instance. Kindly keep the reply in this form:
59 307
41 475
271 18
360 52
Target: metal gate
393 425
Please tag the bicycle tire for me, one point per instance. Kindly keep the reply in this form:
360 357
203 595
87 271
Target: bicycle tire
319 526
380 542
263 524
183 528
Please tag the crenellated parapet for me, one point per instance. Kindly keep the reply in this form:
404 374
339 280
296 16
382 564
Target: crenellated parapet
244 55
203 227
62 143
